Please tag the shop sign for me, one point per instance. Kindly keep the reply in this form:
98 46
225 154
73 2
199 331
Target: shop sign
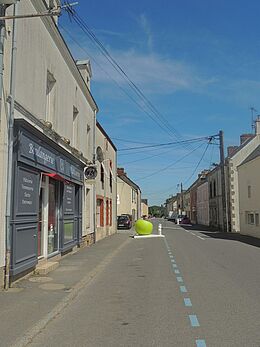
68 199
27 192
37 153
90 172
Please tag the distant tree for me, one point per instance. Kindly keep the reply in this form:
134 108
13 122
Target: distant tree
156 211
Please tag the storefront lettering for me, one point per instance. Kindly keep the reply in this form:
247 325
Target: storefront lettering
38 151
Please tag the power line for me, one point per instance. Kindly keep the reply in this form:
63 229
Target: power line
203 154
165 144
166 125
168 166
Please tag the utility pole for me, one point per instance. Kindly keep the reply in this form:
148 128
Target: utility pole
181 198
223 183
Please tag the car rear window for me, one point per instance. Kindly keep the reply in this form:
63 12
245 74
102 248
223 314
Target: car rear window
122 218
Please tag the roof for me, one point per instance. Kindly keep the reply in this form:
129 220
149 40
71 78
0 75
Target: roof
106 135
252 156
129 182
241 146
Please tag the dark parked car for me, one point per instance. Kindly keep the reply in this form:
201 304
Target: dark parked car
185 220
124 222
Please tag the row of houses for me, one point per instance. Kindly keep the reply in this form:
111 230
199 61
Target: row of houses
238 210
59 184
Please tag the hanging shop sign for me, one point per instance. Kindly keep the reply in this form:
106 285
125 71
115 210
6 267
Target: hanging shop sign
90 172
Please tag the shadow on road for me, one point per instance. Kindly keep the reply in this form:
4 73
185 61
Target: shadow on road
249 240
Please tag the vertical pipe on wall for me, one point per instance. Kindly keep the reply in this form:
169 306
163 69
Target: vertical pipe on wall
94 185
2 39
10 151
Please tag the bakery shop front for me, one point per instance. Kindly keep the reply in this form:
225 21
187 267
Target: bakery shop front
46 199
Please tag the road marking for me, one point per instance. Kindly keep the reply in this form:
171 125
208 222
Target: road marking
179 279
171 256
193 234
176 271
173 261
201 343
183 289
194 320
200 237
174 265
187 302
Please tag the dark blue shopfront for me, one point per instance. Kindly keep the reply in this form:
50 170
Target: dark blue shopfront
47 198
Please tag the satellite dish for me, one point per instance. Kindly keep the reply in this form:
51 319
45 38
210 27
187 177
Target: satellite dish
100 155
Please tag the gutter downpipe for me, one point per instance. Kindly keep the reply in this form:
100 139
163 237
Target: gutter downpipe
94 184
2 39
10 153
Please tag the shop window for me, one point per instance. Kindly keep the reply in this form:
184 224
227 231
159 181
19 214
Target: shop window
68 231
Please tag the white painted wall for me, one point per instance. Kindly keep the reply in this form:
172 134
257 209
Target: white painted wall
248 175
40 48
203 204
233 163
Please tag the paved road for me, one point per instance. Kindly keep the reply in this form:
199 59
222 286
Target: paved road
189 289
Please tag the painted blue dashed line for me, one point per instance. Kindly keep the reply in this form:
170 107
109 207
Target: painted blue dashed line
176 271
179 279
187 302
194 320
183 289
201 343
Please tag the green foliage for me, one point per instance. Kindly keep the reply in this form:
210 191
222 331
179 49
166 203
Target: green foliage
156 211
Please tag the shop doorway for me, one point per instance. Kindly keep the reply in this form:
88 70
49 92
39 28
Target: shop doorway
53 230
48 231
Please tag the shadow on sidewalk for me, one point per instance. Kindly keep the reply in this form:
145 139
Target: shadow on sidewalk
207 231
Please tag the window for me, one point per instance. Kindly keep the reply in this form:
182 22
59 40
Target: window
75 127
110 220
257 219
210 190
249 192
100 212
133 195
107 212
102 176
50 97
214 189
250 218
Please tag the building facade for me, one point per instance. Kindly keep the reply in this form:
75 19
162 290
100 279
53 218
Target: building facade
128 196
249 194
53 141
106 185
144 208
248 143
215 199
203 204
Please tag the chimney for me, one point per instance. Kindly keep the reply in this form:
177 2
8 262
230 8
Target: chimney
257 125
231 150
245 137
121 171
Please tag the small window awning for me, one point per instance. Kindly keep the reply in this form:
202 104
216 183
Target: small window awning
55 176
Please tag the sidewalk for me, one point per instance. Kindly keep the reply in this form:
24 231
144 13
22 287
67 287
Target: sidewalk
33 302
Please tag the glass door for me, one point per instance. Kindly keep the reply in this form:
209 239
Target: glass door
53 235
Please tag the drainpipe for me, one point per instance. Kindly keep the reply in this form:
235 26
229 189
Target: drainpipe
94 185
2 39
10 153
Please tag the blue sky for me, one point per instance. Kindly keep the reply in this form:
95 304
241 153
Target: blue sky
198 62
